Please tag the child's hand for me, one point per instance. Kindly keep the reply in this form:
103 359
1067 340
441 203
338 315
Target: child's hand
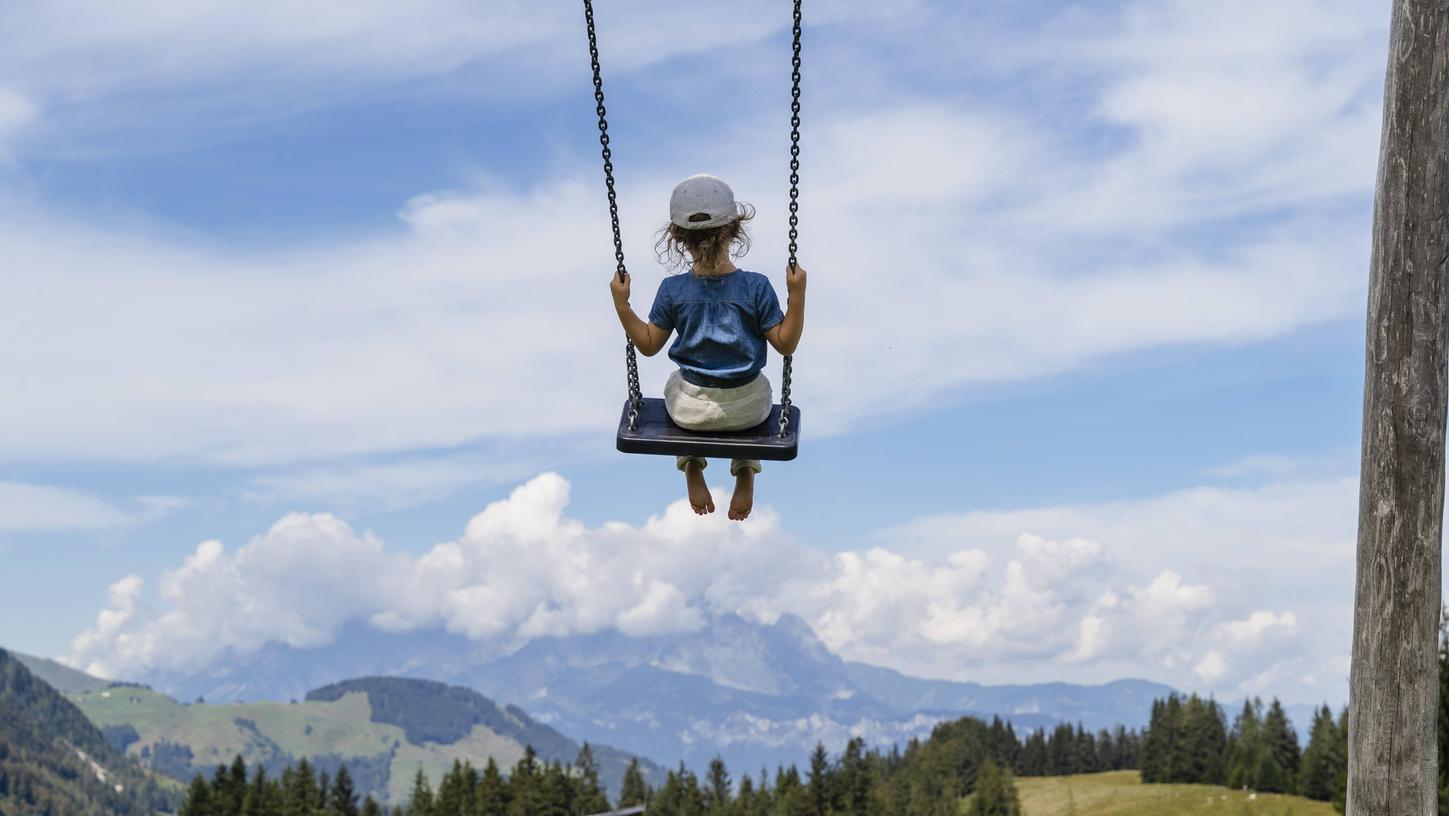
620 289
794 279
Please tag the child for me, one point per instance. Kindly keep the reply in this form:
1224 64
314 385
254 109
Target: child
724 316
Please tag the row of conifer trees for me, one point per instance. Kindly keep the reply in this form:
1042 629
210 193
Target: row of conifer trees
1189 741
967 757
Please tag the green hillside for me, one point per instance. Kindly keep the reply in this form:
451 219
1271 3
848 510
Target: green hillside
384 729
1121 793
53 760
58 676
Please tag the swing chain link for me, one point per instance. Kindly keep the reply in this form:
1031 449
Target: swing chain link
794 205
636 396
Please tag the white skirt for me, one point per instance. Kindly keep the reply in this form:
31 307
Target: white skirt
698 408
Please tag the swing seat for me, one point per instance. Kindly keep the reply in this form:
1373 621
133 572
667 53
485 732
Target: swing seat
655 433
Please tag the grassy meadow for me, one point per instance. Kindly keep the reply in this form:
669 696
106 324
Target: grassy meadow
344 727
1121 793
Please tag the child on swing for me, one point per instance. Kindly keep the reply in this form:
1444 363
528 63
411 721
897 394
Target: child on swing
724 316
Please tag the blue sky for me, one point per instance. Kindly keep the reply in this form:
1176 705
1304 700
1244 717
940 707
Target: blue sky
1080 376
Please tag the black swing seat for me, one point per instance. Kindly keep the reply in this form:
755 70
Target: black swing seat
655 433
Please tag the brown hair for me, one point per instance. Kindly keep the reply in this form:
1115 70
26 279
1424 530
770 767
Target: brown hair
703 251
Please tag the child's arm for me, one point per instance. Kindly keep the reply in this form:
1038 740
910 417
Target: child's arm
648 338
785 336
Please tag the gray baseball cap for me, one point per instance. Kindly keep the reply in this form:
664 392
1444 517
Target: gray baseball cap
702 195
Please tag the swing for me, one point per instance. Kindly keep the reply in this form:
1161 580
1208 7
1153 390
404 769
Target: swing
644 426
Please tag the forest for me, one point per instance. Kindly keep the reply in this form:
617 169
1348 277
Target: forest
925 778
1188 740
53 761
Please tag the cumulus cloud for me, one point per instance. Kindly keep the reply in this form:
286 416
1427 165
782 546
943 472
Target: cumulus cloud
1016 607
1223 577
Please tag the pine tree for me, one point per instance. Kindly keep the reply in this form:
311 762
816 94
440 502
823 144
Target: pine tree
233 791
198 799
1204 744
1278 762
492 796
745 804
1317 776
525 786
1340 798
301 794
634 791
819 789
791 797
855 779
1033 757
1062 751
453 792
261 798
590 794
1245 744
344 798
995 793
420 802
718 790
556 792
370 807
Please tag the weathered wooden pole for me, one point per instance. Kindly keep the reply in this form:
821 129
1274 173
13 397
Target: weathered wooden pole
1393 765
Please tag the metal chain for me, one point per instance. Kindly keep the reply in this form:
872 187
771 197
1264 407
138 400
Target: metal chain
631 361
794 205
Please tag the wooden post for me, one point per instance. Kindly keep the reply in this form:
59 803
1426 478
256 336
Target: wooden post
1394 690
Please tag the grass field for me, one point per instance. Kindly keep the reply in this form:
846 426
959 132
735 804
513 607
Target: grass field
1122 793
300 729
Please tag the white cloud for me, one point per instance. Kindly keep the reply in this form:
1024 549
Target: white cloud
1295 533
209 67
413 341
46 508
111 632
1259 625
983 243
392 484
1211 667
1015 608
16 112
1205 563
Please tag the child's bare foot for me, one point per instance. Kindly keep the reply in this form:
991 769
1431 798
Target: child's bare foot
744 499
699 497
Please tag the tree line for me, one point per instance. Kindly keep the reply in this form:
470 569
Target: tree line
966 758
1188 740
927 778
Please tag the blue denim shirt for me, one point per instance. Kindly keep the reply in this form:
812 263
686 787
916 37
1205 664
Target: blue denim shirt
721 320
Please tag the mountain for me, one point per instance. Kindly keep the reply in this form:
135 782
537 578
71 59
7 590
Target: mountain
756 694
383 729
1124 702
59 676
53 760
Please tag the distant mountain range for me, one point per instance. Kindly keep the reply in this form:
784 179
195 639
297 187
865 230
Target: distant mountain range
755 694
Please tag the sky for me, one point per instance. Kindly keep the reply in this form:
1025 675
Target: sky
306 323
